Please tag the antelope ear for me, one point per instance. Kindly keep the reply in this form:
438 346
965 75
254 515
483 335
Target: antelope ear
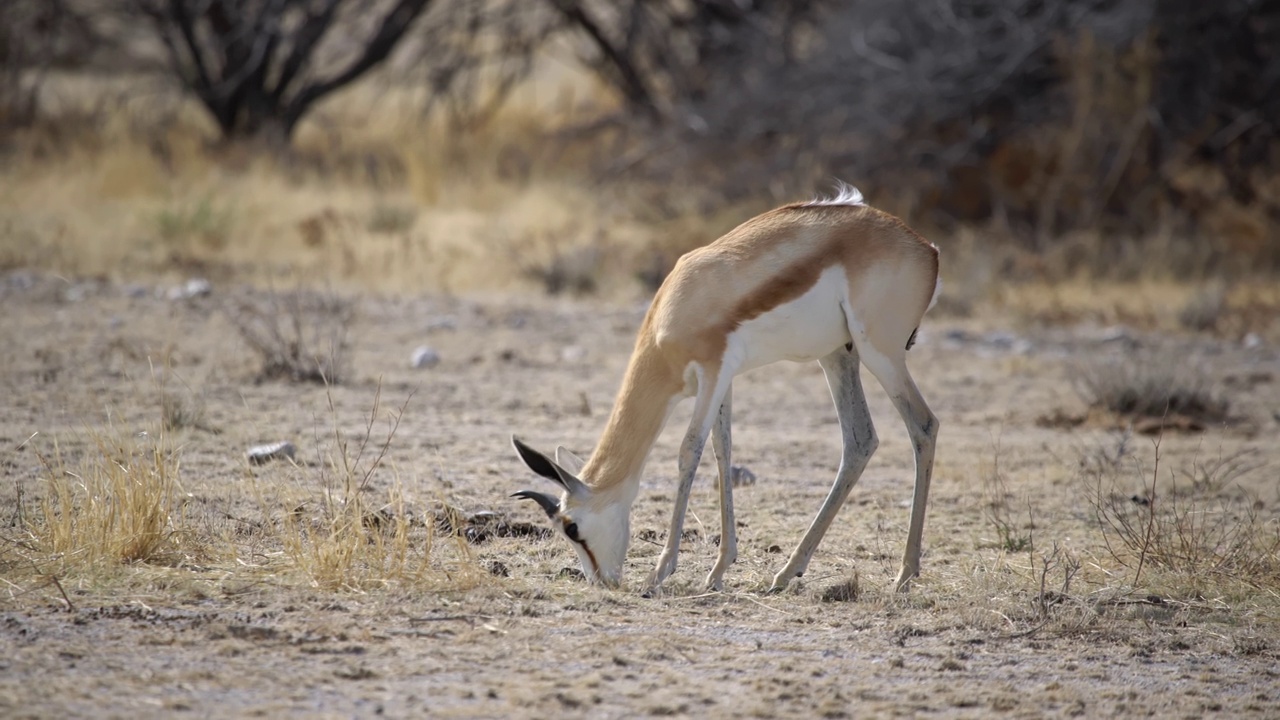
547 468
537 462
569 461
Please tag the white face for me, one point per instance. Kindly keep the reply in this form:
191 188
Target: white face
600 537
598 526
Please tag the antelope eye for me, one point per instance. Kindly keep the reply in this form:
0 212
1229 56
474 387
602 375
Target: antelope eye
572 531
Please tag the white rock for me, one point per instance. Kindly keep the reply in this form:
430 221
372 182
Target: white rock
425 357
1251 341
260 454
573 353
740 476
193 288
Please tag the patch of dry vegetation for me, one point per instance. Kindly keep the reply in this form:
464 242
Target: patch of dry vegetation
299 336
120 512
1194 525
1153 389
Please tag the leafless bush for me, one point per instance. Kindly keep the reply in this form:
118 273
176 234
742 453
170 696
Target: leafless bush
1013 535
300 336
355 541
1189 531
573 270
1150 385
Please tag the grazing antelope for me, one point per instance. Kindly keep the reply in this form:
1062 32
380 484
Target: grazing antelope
830 280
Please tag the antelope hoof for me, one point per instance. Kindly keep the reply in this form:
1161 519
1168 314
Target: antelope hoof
905 577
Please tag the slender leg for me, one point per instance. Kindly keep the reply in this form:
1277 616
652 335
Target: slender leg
922 426
859 435
710 394
721 442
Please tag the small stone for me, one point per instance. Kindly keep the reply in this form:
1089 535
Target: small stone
261 454
193 288
1115 333
425 357
136 292
1251 341
76 293
573 353
740 476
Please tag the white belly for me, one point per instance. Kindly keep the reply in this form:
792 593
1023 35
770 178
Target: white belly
806 328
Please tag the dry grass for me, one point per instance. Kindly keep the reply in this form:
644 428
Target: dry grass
121 513
345 539
119 505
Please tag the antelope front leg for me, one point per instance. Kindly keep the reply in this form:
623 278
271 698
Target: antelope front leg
720 443
690 454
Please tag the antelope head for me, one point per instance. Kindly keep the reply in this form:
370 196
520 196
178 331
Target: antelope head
595 523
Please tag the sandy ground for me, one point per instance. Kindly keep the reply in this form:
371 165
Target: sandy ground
539 642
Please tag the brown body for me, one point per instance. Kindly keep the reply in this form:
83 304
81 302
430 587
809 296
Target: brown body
833 281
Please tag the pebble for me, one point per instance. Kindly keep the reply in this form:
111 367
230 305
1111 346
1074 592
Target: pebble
193 288
425 357
261 454
740 476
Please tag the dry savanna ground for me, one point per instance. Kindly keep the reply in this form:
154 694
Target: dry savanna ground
1103 529
1078 560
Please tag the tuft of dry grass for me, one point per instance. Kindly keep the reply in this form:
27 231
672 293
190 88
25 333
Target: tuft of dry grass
1204 310
119 504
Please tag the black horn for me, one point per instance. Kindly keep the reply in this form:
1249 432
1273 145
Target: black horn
548 503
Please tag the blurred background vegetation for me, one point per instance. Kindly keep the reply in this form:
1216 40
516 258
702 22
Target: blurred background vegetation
447 145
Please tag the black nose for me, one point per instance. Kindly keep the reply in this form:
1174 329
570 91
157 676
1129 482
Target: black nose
549 504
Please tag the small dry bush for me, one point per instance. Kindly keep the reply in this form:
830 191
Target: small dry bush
349 538
1013 536
120 504
1150 385
1198 526
575 270
299 336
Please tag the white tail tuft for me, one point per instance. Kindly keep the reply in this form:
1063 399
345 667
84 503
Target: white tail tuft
937 290
846 194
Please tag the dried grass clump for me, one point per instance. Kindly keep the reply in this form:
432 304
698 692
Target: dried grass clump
298 336
1204 310
118 505
1150 385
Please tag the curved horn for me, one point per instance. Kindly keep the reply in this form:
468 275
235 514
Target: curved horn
549 504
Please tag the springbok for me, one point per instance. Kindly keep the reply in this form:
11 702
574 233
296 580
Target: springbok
831 280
